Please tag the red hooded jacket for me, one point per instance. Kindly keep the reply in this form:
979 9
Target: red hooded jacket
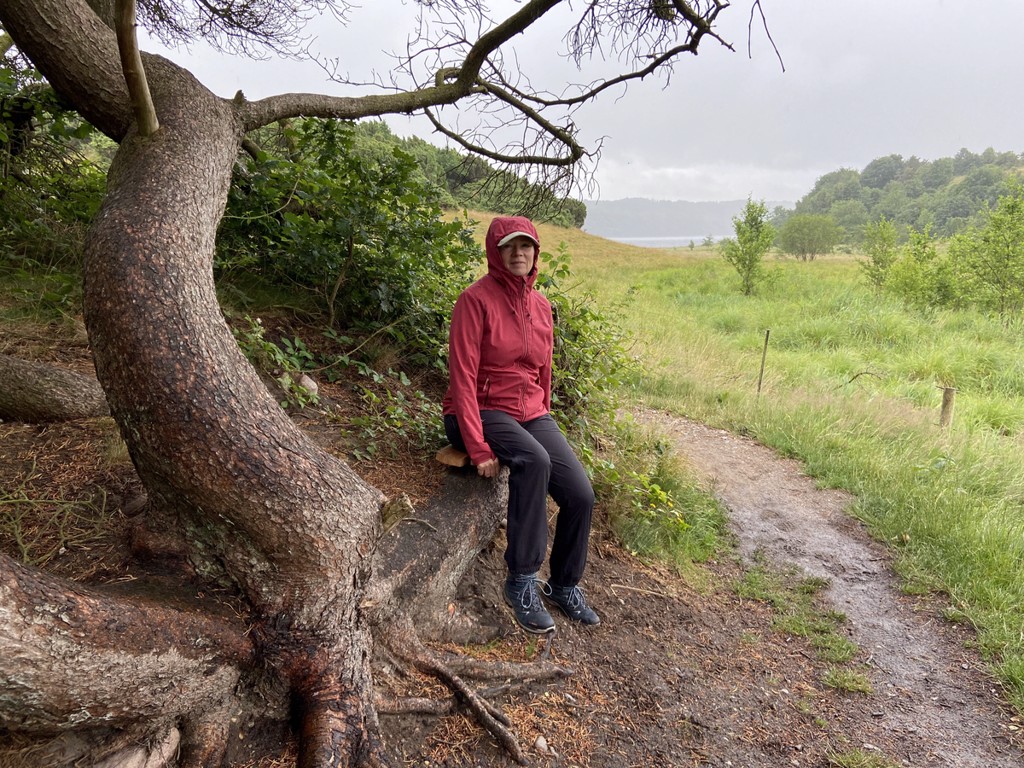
499 353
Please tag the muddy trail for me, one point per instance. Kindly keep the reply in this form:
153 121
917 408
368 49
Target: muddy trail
931 694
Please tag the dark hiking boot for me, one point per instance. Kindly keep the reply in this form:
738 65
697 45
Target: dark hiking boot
571 602
521 595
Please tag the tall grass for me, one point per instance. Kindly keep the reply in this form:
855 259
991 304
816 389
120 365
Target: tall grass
852 388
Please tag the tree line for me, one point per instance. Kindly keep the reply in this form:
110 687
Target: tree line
943 196
980 267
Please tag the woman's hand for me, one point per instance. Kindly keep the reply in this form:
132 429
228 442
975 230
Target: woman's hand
489 468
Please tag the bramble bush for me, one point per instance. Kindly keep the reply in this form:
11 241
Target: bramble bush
52 174
360 234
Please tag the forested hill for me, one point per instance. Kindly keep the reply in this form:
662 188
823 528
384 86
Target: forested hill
943 195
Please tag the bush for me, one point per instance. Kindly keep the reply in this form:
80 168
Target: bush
591 356
880 246
359 234
52 174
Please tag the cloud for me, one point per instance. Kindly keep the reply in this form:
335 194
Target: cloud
862 79
619 177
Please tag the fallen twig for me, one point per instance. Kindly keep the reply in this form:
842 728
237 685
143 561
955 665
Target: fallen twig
613 587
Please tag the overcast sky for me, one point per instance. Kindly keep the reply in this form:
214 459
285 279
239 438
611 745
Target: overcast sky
862 79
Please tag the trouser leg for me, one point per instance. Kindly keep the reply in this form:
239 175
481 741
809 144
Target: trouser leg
529 473
570 487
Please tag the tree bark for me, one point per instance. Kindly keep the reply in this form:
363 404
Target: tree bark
74 656
257 501
423 558
37 392
289 524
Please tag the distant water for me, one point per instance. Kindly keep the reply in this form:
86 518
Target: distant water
675 241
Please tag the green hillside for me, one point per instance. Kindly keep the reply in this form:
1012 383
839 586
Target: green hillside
943 195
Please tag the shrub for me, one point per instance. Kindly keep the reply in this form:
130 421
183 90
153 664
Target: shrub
360 234
754 236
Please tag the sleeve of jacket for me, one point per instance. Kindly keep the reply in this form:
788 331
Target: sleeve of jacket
463 368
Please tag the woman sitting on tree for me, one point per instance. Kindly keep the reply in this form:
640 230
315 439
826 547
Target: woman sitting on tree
497 409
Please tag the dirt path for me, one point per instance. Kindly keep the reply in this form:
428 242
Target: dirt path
930 692
682 672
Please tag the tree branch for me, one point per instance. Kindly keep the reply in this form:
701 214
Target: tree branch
134 73
575 150
36 392
256 114
493 39
591 91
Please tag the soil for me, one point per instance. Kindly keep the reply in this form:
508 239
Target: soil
681 671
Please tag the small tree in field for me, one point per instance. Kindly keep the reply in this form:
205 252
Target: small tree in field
754 236
992 258
923 275
880 248
806 235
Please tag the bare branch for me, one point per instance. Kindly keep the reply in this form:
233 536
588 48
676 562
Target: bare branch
265 111
559 134
492 40
764 23
593 90
134 73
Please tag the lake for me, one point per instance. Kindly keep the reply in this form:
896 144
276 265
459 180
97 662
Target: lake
674 241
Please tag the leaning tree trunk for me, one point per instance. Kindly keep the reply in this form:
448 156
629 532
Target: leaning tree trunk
288 523
255 501
37 392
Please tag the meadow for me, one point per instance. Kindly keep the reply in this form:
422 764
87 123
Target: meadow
852 387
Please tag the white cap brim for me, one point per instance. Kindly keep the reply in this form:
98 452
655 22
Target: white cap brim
513 235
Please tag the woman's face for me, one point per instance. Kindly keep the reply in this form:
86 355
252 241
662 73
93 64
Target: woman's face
518 255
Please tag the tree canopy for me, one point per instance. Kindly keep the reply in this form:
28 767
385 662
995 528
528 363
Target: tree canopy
946 195
806 235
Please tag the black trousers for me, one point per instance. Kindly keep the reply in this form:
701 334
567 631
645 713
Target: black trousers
540 462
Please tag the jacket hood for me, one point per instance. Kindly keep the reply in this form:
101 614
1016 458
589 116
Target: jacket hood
501 227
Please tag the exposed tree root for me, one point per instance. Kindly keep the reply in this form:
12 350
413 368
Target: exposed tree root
501 670
160 752
205 739
405 646
35 392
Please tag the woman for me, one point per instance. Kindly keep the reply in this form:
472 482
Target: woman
497 409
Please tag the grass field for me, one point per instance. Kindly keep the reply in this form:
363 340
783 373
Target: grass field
852 387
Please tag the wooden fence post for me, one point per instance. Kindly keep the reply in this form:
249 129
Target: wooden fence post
946 415
764 354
